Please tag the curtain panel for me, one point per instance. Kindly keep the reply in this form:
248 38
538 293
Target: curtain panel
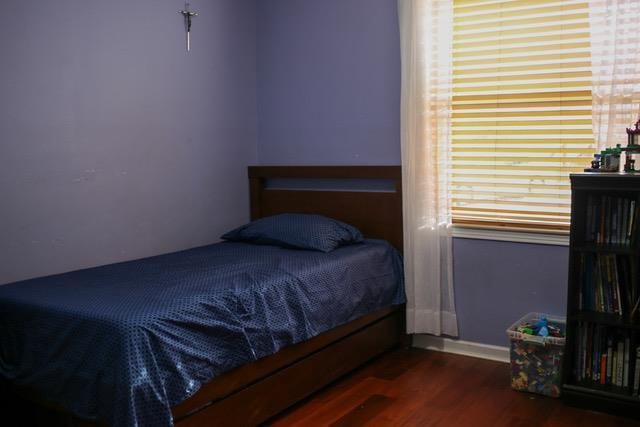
426 40
615 63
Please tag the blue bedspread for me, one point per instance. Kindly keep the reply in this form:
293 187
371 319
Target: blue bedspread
123 343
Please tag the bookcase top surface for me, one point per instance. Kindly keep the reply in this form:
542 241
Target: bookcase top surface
605 174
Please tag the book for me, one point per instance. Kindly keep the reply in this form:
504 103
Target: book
632 221
636 377
595 369
603 369
619 219
617 297
613 235
607 284
625 222
609 360
590 218
603 220
610 220
619 362
614 365
625 368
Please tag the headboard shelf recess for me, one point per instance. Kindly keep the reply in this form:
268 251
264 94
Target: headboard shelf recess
378 214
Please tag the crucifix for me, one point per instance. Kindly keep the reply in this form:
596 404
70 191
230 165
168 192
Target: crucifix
187 14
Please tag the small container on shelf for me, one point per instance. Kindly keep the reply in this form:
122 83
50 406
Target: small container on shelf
537 347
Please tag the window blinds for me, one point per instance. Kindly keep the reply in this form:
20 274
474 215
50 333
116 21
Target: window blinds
521 119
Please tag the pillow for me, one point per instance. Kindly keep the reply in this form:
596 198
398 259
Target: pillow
299 231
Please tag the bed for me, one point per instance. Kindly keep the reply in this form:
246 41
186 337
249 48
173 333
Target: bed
143 344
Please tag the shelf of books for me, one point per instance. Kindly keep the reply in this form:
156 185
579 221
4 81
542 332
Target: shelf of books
601 369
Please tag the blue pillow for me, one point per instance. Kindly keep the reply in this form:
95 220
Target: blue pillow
299 231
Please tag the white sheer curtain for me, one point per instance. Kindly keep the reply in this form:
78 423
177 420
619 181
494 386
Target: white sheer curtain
426 40
615 59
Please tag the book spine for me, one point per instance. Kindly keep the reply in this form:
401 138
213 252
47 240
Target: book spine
601 237
610 220
580 355
614 366
616 278
625 369
588 353
620 210
608 289
636 376
609 360
614 222
601 284
603 369
632 222
620 362
625 221
589 231
596 354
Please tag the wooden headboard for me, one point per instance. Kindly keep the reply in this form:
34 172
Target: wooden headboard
377 213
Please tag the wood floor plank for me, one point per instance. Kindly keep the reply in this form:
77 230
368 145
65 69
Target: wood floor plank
413 387
340 404
364 412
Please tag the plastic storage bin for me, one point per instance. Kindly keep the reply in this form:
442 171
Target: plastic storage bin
536 360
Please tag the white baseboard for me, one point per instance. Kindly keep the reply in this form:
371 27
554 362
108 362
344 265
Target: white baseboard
466 348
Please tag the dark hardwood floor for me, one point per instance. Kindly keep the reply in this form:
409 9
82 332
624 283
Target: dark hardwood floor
412 387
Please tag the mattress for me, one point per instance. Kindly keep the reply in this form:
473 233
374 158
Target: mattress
124 342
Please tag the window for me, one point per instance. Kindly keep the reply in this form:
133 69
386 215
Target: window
521 111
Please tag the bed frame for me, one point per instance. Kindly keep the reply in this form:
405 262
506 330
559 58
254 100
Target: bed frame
245 396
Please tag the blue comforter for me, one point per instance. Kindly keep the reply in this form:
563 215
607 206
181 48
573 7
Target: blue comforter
123 343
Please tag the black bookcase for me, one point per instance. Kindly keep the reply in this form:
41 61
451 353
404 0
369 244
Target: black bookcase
603 324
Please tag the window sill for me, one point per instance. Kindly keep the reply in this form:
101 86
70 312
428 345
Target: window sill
520 236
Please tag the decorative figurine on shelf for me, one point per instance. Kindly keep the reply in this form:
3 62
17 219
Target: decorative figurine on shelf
608 160
633 147
634 136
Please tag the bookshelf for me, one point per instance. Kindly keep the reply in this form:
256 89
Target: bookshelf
600 370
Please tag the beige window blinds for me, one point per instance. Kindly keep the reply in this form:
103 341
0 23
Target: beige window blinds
521 119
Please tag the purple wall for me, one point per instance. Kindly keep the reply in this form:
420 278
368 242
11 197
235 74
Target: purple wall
328 93
115 144
498 282
329 82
